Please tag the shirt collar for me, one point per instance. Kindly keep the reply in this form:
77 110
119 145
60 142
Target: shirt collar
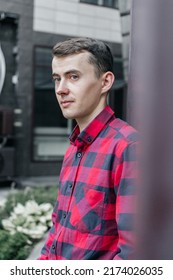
88 135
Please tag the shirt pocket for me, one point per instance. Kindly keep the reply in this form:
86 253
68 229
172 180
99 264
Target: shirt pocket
86 215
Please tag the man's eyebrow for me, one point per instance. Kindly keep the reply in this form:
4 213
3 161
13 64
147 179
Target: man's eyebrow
67 72
70 71
54 75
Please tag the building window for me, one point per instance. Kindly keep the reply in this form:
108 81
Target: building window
50 128
104 3
116 97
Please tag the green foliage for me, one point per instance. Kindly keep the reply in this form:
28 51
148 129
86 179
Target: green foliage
13 247
3 214
39 194
16 246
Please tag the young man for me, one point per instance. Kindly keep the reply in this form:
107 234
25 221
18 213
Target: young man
93 215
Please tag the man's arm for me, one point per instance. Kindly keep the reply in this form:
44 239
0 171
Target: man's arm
126 201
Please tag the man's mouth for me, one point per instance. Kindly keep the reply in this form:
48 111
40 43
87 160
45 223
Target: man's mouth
66 103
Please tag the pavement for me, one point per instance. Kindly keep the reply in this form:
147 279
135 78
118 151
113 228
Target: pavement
36 251
31 182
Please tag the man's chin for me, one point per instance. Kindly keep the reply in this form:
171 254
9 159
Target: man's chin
68 116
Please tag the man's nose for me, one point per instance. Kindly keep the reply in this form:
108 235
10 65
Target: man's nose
62 88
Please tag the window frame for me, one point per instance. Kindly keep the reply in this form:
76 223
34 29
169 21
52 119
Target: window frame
101 5
56 135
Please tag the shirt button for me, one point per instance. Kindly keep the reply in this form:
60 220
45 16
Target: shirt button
70 185
89 139
64 216
53 247
79 154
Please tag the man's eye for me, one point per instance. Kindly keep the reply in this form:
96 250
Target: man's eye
56 80
74 77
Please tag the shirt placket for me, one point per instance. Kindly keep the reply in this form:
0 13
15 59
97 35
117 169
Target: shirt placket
73 177
70 188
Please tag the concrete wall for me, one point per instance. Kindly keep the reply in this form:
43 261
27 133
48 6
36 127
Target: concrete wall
74 18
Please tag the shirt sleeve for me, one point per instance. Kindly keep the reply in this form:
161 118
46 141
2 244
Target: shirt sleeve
51 235
126 201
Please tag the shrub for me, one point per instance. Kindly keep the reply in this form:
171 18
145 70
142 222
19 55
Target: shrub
31 219
13 247
39 194
16 242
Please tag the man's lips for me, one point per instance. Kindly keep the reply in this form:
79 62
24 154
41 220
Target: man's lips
65 103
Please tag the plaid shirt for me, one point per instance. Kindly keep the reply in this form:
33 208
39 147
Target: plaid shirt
93 216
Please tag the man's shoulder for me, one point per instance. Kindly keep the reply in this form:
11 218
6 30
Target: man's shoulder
123 130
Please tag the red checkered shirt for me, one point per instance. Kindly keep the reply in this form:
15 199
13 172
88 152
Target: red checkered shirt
93 215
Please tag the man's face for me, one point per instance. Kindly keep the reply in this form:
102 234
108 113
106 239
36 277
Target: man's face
78 90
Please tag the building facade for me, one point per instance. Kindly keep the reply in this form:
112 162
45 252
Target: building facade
33 132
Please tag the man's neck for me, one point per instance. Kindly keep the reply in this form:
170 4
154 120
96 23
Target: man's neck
84 122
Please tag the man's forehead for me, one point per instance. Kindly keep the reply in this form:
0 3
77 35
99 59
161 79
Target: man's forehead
75 61
72 57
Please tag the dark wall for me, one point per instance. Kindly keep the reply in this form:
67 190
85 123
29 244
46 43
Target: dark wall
8 39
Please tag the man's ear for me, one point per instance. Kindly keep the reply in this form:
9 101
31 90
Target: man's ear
107 81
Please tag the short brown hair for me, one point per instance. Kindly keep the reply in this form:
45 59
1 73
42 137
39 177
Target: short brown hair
100 54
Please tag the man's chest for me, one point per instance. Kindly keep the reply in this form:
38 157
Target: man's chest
87 194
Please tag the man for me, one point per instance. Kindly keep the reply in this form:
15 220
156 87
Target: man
93 215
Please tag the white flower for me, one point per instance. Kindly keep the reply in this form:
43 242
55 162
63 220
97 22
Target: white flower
45 207
31 207
37 232
31 219
46 217
49 224
19 209
7 224
43 219
2 202
20 229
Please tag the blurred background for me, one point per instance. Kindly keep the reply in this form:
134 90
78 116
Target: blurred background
33 132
